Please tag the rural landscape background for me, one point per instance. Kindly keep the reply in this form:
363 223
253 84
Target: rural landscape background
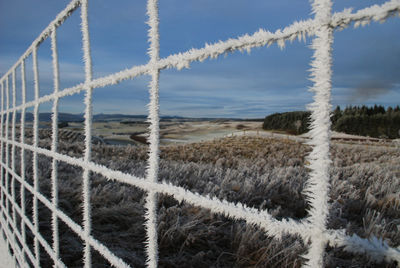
231 159
235 128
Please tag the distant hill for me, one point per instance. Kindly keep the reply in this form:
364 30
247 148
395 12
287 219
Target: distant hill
68 117
117 117
375 121
46 117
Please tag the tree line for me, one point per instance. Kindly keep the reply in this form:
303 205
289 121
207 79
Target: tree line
375 121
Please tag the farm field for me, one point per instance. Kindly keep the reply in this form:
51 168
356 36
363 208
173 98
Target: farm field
171 131
261 172
180 131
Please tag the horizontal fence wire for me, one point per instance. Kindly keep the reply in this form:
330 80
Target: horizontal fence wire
313 228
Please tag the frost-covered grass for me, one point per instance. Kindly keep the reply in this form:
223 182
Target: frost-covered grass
259 172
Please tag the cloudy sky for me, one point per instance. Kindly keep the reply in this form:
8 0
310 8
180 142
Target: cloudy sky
366 60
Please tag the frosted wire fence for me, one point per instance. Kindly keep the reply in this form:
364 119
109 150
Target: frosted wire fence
313 228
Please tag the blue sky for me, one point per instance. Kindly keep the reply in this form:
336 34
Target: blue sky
366 60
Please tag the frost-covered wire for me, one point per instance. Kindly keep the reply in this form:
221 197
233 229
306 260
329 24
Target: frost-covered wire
260 38
60 18
376 248
14 115
35 212
25 249
4 210
7 138
88 131
10 236
22 139
238 211
235 211
97 245
299 30
31 226
364 16
54 140
99 82
153 119
317 186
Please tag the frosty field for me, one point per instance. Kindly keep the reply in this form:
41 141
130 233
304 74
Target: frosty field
171 131
261 172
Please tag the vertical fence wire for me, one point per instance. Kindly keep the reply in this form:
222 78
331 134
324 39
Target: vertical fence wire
317 186
6 143
13 146
11 232
2 183
6 177
88 131
14 114
153 119
35 213
54 138
8 234
22 140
